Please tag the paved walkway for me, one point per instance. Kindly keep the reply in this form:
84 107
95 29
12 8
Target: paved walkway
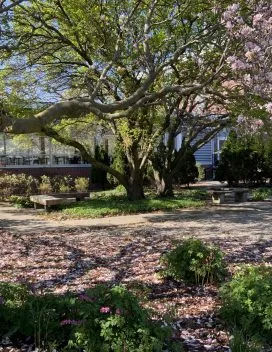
30 220
251 218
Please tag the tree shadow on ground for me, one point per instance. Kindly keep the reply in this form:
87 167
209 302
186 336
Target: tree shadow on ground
75 260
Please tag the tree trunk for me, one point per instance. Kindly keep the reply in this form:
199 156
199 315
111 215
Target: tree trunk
135 186
164 183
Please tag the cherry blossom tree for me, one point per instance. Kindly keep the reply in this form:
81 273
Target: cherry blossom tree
250 26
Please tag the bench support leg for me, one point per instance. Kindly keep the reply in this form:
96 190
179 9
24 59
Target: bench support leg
241 197
218 198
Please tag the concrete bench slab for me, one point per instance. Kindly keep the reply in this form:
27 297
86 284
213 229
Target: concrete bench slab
48 200
77 195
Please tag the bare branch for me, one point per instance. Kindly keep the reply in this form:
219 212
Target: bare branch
10 6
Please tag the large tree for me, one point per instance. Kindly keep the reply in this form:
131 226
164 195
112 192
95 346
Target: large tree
196 119
110 64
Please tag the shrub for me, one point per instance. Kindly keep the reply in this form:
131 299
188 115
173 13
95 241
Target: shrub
62 184
240 343
82 184
101 319
261 193
45 185
241 160
247 302
195 262
188 171
17 184
99 176
21 201
120 189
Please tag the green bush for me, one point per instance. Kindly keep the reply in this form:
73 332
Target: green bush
261 193
241 160
45 186
62 184
195 262
240 343
188 171
247 302
21 201
17 184
82 184
99 176
101 319
18 187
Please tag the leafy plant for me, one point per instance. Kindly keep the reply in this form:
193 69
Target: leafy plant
246 302
195 262
62 184
240 343
261 193
101 319
21 201
45 185
82 184
17 184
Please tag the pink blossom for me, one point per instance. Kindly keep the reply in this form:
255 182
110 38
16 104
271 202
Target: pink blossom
268 107
258 123
234 7
238 65
105 310
229 25
246 30
257 18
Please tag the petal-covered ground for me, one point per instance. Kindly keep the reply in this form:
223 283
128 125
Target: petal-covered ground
76 259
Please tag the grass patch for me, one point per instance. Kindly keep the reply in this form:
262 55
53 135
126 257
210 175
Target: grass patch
111 203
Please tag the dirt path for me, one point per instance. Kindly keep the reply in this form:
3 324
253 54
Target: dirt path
252 218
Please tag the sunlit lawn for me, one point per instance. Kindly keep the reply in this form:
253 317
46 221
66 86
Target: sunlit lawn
114 203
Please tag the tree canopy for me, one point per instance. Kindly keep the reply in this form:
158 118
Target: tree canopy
128 66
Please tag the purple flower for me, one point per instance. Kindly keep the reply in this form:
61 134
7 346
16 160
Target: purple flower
105 310
2 301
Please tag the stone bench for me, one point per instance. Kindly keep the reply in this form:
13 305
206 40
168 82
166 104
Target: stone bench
218 195
49 200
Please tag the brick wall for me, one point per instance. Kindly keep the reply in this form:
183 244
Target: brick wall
74 171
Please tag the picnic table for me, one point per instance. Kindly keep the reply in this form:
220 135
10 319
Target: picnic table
49 200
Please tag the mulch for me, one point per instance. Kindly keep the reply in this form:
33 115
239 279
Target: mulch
73 260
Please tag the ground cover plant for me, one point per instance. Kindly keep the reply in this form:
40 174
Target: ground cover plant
247 303
195 262
114 202
100 319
